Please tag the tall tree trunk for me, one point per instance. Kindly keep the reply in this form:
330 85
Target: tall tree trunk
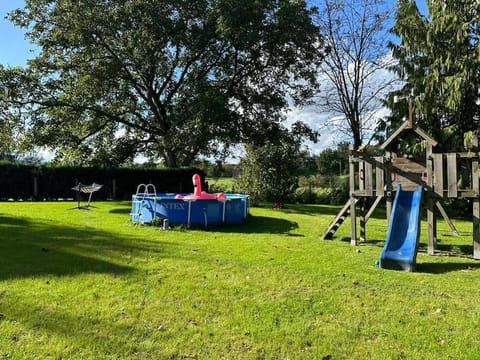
357 140
170 159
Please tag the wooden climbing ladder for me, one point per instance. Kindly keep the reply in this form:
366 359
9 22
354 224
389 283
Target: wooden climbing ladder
338 221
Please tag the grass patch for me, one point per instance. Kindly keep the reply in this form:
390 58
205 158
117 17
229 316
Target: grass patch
78 284
221 184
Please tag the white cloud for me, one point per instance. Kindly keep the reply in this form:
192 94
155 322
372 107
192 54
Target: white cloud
329 124
44 154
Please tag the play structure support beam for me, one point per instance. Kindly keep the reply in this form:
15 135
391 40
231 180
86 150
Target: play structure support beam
431 218
353 222
363 220
379 176
373 207
476 229
445 217
353 214
452 188
388 184
476 210
438 176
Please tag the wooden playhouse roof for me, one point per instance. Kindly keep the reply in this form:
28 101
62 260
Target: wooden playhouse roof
402 130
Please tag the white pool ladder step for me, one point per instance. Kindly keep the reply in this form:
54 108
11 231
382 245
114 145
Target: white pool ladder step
143 190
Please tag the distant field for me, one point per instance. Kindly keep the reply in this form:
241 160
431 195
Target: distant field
221 184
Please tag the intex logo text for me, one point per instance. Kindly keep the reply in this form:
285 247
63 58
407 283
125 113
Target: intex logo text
174 206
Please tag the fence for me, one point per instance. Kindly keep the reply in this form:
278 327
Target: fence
48 183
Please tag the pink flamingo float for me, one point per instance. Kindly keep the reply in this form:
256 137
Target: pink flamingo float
198 194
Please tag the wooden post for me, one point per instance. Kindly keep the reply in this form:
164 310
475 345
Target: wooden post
431 219
368 191
379 176
361 176
452 175
368 177
476 229
388 185
445 216
438 174
353 222
476 207
353 215
363 220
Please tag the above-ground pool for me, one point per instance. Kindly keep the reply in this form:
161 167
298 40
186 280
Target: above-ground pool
233 209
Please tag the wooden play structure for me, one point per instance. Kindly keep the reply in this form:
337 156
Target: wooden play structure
443 175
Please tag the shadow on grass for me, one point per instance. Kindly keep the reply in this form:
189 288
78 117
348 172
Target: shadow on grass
30 249
441 268
327 210
261 224
453 250
313 210
121 211
371 242
126 208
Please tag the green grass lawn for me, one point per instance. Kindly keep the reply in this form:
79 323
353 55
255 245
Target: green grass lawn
78 284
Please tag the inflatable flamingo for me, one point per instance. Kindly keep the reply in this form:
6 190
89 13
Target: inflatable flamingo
198 193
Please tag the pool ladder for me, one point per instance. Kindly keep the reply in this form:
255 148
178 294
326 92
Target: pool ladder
137 217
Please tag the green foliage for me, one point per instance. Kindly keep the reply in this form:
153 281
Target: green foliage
170 79
270 172
438 57
333 161
226 185
333 190
218 169
12 128
270 169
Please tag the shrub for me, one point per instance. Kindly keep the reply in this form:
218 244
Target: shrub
270 173
320 189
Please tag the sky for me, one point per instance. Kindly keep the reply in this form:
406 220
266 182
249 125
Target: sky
15 50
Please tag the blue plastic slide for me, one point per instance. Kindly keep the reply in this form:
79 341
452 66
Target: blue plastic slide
401 245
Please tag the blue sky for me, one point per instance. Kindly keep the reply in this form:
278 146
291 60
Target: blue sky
15 50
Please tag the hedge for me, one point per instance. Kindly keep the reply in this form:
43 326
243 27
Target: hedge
325 196
29 182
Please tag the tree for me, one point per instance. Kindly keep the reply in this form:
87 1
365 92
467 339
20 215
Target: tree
11 128
333 161
438 58
270 172
355 74
171 78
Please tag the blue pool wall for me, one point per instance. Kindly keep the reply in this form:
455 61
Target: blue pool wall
200 212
